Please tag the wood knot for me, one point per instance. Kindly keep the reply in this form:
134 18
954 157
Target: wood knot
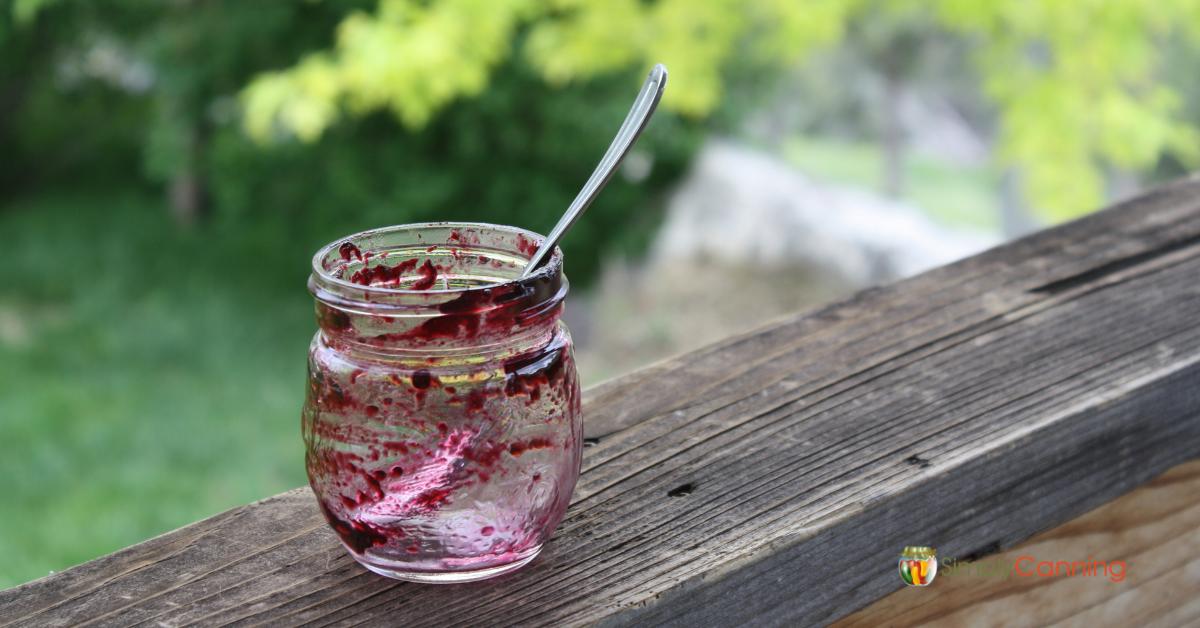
918 461
682 490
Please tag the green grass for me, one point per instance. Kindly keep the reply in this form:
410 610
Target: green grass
148 377
953 194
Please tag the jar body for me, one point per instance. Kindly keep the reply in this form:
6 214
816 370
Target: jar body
442 457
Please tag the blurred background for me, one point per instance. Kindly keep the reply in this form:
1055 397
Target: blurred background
168 167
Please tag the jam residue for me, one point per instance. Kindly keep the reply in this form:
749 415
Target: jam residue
398 445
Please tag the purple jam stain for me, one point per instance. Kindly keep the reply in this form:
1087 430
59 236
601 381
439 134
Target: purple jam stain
484 457
432 499
463 237
421 379
526 246
357 535
376 493
334 398
494 310
396 446
519 448
332 319
428 276
475 400
348 250
526 374
383 275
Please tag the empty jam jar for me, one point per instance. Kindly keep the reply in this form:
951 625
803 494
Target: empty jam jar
442 422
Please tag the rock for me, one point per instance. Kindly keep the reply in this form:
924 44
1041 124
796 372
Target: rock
742 206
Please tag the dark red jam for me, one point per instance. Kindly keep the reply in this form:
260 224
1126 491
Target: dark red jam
442 420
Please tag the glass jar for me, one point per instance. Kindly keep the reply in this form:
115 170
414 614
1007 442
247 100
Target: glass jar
442 422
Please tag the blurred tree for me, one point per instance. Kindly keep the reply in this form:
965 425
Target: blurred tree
1076 85
1079 88
165 116
516 154
415 57
1075 82
165 113
163 76
899 49
43 104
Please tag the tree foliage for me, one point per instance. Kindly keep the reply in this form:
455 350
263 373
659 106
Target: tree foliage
415 57
1076 83
514 153
1078 86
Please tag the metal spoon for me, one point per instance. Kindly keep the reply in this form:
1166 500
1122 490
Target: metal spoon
635 122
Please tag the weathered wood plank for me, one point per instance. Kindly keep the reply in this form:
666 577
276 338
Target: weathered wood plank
774 476
1155 530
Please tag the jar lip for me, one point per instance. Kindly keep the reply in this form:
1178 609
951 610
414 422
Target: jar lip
552 267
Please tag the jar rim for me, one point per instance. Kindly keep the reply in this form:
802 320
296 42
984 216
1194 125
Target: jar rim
552 267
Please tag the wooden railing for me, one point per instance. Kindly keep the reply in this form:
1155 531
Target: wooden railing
774 477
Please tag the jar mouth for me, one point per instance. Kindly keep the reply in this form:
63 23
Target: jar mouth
482 257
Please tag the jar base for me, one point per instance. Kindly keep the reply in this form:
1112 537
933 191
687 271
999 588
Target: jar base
453 577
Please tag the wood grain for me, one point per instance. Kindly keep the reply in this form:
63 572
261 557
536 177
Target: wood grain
774 476
1155 530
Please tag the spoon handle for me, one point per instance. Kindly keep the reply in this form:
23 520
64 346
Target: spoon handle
635 122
